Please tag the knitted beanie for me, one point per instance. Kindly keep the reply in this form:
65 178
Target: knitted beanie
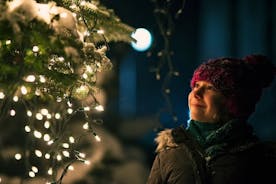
241 81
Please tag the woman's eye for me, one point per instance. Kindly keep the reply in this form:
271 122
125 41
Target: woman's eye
211 88
196 85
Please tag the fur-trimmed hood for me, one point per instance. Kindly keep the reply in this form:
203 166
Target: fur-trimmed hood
165 140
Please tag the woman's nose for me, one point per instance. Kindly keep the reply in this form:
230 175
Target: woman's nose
198 92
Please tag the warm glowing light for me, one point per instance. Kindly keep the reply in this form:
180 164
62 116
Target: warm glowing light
99 108
71 168
82 155
85 126
66 153
70 111
97 138
2 95
27 128
44 112
46 137
31 174
29 113
38 116
57 116
8 42
49 116
12 112
59 157
50 142
24 90
71 139
35 169
37 134
15 98
86 108
35 48
38 153
17 156
50 171
87 162
100 31
47 124
30 78
42 79
47 156
65 145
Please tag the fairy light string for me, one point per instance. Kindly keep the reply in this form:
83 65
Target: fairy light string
164 69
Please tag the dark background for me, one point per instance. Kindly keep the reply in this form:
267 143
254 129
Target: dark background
206 29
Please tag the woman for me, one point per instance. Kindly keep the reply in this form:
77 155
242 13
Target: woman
219 146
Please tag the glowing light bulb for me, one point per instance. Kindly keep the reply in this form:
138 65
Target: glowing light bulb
2 95
66 153
87 162
100 31
30 78
44 112
15 98
24 90
86 108
31 174
50 171
99 108
38 153
42 79
71 139
98 139
85 126
57 116
8 42
70 111
29 113
82 155
18 156
71 168
59 157
47 124
143 39
38 116
35 48
46 137
50 142
12 112
27 128
65 145
35 169
47 156
37 134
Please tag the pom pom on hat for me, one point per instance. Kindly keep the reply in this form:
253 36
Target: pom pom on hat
240 80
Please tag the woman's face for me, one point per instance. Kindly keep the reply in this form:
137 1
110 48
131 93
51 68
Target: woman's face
206 103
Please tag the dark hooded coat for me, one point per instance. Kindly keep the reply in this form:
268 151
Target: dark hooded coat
236 159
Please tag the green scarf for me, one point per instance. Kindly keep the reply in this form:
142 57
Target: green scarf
216 138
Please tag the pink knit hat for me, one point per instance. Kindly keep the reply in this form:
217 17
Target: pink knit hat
240 80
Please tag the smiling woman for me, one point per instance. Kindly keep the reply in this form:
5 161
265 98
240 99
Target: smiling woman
219 146
206 103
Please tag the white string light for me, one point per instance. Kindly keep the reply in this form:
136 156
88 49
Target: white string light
2 95
18 156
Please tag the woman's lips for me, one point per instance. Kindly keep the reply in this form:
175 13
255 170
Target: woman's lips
198 105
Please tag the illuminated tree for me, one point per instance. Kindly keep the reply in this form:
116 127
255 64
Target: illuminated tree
50 55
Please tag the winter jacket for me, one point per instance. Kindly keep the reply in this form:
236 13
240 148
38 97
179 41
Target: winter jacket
241 160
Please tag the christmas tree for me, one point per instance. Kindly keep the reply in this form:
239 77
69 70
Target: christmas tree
51 53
